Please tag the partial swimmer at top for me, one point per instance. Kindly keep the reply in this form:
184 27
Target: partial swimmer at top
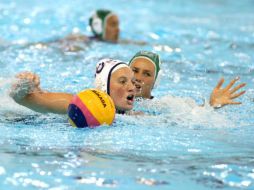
105 26
146 68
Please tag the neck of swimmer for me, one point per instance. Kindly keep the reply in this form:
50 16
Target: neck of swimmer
97 38
148 96
120 111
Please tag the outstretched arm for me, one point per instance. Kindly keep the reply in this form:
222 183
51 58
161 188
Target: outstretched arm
47 102
224 96
138 43
70 43
26 91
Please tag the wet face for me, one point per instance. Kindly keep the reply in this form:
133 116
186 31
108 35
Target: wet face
122 88
112 29
144 72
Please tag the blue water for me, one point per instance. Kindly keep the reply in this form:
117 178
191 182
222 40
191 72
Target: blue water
183 146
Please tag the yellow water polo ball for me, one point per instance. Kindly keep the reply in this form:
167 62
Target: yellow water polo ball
91 108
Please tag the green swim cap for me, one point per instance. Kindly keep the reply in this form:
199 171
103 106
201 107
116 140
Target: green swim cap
153 57
97 22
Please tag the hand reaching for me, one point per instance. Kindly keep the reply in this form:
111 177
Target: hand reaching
26 83
224 96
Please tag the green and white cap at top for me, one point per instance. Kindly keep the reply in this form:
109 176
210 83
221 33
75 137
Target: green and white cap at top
98 22
104 69
153 57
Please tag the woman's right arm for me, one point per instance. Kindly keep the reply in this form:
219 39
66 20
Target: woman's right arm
26 92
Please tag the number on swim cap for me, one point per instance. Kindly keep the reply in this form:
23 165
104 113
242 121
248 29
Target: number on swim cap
100 67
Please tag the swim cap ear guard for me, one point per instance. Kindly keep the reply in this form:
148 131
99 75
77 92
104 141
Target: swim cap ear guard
158 71
97 22
158 79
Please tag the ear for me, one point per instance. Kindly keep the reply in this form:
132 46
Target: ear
157 82
97 25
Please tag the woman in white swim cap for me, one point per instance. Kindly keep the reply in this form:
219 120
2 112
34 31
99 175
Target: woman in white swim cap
117 79
112 76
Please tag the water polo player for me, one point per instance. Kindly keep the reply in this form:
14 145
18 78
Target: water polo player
146 68
117 79
112 76
104 25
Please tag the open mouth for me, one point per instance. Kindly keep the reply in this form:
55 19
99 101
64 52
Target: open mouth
138 86
130 97
138 89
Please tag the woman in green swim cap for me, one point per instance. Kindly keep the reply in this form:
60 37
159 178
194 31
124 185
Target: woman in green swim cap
146 68
105 26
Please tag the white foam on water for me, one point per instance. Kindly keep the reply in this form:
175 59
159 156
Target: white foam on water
185 112
8 106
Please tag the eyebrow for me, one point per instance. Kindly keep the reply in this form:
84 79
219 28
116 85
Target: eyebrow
122 77
145 70
148 71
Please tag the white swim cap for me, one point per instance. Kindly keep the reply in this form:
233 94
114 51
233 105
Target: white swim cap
104 69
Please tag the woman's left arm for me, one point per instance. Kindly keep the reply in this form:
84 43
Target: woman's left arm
225 96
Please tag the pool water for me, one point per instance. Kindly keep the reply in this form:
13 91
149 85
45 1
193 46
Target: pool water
177 144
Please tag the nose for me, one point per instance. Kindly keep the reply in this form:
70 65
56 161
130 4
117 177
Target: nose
138 83
138 78
131 86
